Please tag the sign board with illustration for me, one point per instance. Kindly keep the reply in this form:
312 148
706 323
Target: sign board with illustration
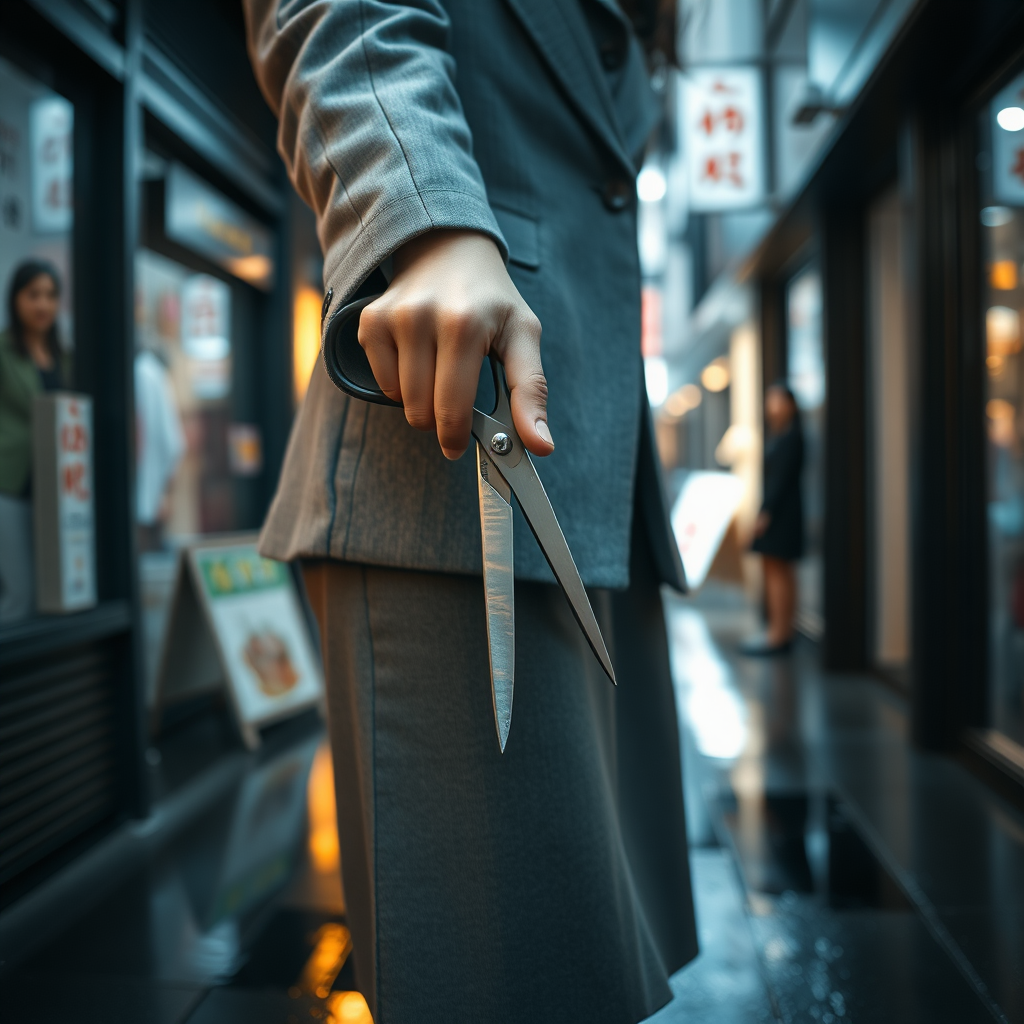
62 502
700 518
236 620
724 143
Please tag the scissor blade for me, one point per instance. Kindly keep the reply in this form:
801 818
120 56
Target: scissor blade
533 500
499 584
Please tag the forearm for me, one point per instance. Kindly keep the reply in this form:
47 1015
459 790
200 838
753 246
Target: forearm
370 125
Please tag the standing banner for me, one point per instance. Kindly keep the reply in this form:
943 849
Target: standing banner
701 516
62 502
236 621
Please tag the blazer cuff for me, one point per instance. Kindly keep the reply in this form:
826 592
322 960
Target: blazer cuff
349 262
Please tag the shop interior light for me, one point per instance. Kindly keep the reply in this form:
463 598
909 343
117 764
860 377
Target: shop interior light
1011 119
1002 330
651 185
1004 275
305 337
715 376
996 216
681 401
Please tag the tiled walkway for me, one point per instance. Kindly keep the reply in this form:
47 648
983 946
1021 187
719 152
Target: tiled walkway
840 877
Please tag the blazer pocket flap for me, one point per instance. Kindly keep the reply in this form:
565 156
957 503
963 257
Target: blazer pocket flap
522 235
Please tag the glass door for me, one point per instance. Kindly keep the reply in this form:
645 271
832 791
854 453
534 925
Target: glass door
1002 219
806 379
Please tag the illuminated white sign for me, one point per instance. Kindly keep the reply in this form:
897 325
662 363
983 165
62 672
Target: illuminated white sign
51 121
723 138
1008 144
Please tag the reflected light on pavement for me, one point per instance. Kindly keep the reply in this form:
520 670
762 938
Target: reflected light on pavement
323 814
348 1008
710 704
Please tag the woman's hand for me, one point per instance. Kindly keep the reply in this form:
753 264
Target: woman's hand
764 520
449 304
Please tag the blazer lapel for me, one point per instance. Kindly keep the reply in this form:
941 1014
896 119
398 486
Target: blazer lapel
562 35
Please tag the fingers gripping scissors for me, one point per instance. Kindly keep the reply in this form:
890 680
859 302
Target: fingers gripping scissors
504 468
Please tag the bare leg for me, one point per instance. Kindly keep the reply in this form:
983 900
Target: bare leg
780 597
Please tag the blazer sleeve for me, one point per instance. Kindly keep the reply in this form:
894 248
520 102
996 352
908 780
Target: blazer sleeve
785 472
371 128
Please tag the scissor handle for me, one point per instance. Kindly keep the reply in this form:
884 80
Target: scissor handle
345 360
349 369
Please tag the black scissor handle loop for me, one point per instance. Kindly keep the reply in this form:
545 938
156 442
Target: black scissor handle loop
345 360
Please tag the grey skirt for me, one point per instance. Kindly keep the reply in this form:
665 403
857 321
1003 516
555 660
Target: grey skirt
550 883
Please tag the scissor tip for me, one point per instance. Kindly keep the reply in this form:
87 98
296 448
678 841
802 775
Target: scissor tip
503 732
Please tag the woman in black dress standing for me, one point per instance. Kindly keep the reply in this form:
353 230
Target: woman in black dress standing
779 531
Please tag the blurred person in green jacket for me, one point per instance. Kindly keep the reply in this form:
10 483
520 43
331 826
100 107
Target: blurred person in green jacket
30 362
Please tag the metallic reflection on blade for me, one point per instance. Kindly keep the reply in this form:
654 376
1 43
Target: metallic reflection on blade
499 588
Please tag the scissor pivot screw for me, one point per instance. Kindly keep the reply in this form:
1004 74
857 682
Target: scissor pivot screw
501 443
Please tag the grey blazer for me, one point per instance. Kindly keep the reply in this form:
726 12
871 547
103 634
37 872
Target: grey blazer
499 116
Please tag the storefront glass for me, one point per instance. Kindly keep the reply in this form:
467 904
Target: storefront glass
37 340
186 443
1002 218
806 379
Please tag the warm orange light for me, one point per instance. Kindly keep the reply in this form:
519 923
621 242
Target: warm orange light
256 269
323 814
348 1008
305 337
332 945
715 376
999 409
1004 275
680 402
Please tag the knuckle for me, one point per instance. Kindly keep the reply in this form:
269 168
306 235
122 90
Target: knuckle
410 316
451 423
459 322
420 419
536 385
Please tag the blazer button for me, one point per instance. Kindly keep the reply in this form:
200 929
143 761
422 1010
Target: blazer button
617 194
612 56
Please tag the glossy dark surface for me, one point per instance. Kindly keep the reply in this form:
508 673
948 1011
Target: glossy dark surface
840 876
878 883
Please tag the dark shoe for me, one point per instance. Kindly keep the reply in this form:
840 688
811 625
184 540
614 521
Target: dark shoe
760 648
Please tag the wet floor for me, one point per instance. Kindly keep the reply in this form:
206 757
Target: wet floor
839 876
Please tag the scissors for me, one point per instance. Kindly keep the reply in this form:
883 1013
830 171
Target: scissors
504 468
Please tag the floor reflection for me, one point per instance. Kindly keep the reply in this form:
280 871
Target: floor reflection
840 877
849 875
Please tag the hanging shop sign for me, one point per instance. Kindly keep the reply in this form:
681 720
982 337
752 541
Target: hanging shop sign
236 622
51 121
200 218
62 501
723 138
1008 144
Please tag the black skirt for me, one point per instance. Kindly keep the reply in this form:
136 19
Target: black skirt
783 496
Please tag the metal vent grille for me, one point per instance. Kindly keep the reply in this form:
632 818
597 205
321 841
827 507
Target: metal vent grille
56 753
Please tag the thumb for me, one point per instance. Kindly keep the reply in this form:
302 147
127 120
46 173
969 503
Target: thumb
519 349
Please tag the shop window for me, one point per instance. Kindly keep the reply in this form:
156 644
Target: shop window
187 448
1002 219
806 379
36 340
